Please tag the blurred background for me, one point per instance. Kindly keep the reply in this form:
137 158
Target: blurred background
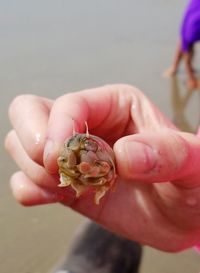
49 48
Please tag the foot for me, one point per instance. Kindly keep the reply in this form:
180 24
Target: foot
170 72
192 84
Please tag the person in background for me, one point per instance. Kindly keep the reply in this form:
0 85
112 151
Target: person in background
189 36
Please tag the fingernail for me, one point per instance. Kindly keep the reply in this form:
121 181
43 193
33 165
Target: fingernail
51 152
141 157
48 149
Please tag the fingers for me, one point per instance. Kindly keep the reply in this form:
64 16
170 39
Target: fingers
162 156
100 107
33 185
28 193
103 109
35 172
110 111
146 116
29 116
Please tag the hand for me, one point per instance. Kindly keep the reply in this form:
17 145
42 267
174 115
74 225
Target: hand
157 195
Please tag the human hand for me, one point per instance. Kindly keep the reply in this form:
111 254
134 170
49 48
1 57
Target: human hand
157 195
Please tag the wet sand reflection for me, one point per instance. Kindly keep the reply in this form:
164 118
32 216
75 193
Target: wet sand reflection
181 96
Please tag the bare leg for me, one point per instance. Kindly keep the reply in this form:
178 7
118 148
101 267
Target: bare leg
177 58
192 81
192 56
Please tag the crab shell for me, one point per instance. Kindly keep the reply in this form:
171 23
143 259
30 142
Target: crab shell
87 161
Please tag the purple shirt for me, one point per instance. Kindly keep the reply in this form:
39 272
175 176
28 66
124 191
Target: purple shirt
190 29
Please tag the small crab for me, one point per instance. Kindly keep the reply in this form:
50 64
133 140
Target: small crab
87 161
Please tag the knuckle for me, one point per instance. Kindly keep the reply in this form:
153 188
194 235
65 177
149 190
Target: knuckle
121 86
181 153
174 155
18 102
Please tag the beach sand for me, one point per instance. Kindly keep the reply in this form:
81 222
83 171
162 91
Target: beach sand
49 48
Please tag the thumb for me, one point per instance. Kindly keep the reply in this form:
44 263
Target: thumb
167 155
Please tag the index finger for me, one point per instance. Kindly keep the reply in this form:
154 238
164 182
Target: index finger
105 109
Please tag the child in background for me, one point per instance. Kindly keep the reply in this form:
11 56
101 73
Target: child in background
189 35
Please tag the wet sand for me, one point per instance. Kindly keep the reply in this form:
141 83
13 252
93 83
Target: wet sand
49 48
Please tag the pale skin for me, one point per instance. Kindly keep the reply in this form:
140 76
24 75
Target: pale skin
148 149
